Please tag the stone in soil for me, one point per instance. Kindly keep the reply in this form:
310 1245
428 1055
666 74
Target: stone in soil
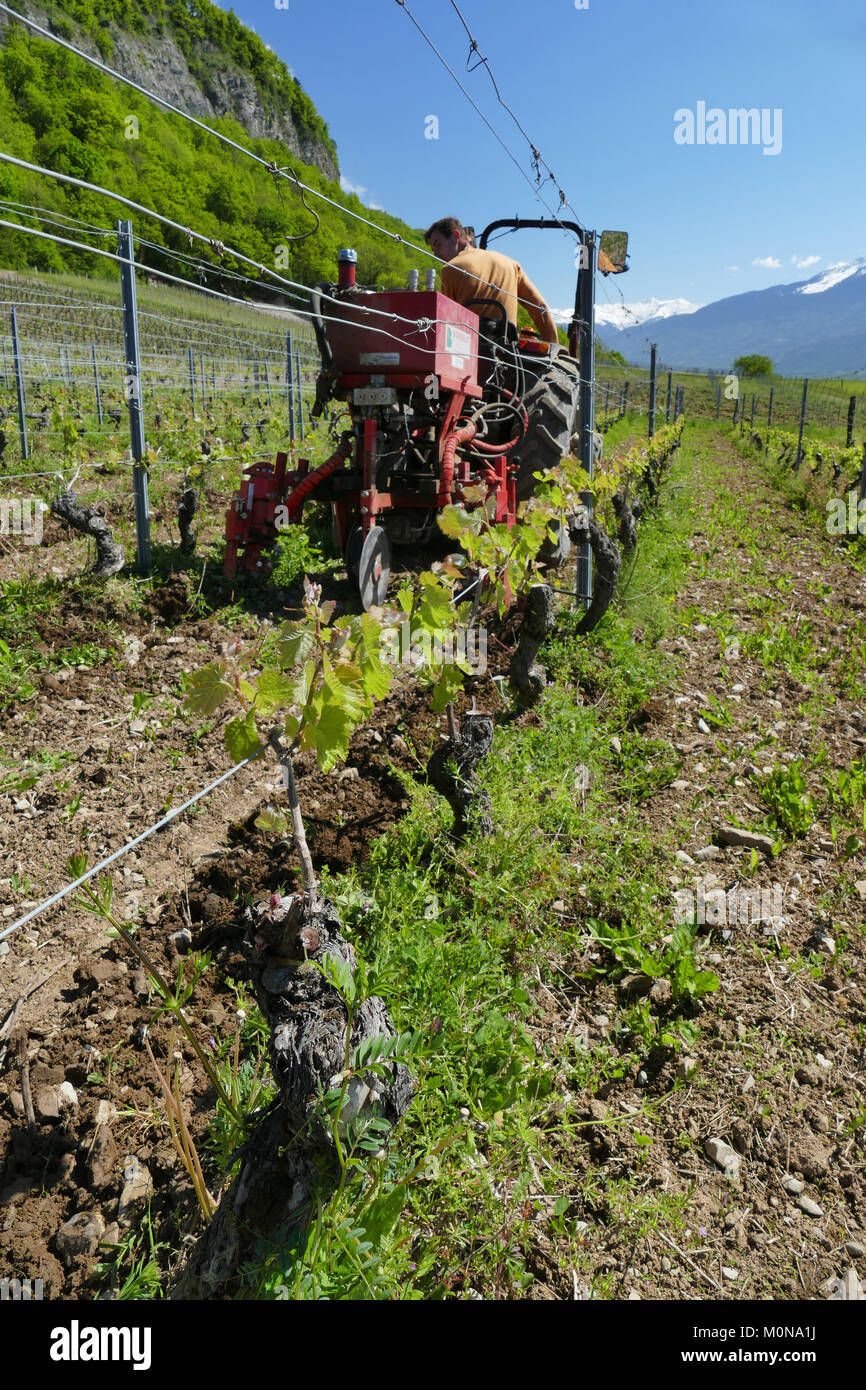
749 839
47 1104
137 1188
809 1157
724 1156
103 1157
80 1235
809 1207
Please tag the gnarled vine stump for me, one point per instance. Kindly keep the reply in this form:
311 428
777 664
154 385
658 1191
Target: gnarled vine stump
605 574
89 522
186 510
525 674
452 771
290 1157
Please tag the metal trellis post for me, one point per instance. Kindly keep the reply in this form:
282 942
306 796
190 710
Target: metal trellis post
586 319
290 385
96 384
19 387
652 391
133 394
300 397
802 425
191 379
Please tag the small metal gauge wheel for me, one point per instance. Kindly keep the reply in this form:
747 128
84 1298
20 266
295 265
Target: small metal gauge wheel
374 568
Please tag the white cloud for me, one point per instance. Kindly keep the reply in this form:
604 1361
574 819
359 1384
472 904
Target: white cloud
768 262
803 263
348 187
733 268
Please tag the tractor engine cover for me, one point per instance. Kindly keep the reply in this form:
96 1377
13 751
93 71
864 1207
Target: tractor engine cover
448 348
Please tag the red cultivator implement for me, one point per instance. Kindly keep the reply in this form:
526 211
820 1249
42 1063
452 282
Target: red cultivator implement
445 408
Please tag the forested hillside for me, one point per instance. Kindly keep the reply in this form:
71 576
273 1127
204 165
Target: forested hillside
61 113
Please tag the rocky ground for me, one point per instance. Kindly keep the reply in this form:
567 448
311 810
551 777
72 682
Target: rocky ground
726 1167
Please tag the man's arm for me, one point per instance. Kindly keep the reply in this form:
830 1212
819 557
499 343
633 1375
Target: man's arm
536 306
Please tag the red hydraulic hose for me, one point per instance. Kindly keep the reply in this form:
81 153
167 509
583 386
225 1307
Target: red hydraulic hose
446 470
512 443
298 496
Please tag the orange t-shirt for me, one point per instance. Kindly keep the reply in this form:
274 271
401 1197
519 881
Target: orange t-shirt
475 274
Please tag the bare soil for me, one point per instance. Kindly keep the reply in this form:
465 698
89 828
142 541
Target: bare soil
777 1070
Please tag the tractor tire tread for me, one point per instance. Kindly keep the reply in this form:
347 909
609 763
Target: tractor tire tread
551 403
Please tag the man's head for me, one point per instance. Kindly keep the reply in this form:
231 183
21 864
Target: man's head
447 238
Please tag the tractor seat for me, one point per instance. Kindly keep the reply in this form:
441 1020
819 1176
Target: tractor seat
501 330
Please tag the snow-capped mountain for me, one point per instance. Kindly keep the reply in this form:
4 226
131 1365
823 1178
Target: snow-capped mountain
834 275
630 315
642 311
815 327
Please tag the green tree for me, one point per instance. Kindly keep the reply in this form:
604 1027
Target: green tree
753 365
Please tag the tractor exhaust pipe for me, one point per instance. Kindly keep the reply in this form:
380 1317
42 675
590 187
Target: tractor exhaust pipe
347 260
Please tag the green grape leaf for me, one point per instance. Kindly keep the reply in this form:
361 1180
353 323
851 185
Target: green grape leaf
375 675
207 689
272 820
242 737
448 685
327 730
275 690
457 523
297 642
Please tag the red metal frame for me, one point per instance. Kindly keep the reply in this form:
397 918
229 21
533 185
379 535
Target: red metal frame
444 351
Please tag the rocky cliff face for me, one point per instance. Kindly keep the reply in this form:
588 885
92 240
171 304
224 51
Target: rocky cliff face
156 61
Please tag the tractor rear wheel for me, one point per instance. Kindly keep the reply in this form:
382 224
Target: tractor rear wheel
551 403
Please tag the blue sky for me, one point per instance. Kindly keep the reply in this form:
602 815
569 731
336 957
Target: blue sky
597 90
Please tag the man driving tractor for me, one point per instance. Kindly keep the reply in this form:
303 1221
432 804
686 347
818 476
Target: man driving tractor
473 274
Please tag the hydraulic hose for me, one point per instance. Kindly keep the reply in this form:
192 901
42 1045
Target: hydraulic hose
446 470
308 484
319 327
519 409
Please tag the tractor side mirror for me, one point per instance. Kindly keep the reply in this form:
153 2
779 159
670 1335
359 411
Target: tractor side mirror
613 253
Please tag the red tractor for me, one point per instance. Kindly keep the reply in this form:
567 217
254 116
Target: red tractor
440 402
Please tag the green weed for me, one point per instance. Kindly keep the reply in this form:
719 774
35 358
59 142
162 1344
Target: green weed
784 792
